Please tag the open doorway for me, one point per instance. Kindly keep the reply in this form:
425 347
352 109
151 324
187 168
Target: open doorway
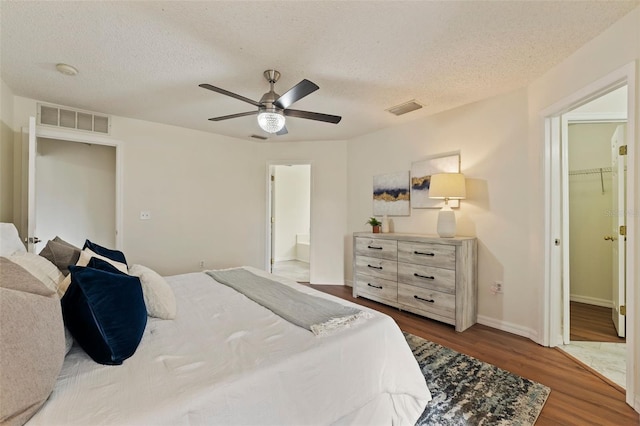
290 219
71 187
557 288
595 187
75 192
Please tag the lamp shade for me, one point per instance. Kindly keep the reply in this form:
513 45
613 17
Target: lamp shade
450 186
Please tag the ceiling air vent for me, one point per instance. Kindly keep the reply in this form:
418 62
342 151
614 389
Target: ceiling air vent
262 138
51 115
404 108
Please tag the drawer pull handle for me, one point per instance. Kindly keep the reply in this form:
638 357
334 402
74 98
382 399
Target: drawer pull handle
374 286
375 267
420 253
424 300
424 276
374 247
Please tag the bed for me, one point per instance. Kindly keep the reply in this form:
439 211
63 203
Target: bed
226 360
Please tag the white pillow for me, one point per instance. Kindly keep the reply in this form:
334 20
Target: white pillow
10 240
158 296
39 267
85 257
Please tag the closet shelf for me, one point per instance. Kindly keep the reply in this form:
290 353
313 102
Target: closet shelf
590 171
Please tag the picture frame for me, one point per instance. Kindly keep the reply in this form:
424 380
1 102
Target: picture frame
421 172
391 194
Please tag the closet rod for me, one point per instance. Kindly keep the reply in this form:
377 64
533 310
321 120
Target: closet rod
600 171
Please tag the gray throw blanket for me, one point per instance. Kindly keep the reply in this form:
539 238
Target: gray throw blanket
320 316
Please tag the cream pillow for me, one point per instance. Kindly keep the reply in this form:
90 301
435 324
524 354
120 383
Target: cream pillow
10 242
85 257
158 296
39 267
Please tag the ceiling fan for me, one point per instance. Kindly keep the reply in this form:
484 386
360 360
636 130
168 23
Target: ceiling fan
272 108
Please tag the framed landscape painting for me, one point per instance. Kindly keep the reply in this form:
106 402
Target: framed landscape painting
391 194
421 172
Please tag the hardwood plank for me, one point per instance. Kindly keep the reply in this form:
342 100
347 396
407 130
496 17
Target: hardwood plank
592 323
578 395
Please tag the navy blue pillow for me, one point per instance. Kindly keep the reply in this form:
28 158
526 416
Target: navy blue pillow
116 255
105 312
103 265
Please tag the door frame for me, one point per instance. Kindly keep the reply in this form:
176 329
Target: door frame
268 224
554 253
79 137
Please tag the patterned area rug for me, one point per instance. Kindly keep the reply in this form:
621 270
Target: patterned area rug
467 391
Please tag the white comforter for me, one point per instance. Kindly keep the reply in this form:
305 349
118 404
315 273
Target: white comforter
225 360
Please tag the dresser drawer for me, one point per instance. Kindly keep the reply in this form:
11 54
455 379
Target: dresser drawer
379 268
427 277
437 255
377 247
376 288
428 301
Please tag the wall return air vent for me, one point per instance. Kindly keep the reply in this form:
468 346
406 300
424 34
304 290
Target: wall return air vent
67 118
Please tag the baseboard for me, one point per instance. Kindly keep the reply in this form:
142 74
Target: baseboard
519 330
591 300
637 404
348 283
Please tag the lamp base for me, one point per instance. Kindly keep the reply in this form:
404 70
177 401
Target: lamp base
446 223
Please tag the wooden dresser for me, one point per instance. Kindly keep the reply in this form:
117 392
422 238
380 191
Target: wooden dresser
427 275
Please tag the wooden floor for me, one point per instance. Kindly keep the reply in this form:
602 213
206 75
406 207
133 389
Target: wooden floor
592 324
578 396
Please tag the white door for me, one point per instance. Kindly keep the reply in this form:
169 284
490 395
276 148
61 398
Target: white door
29 193
618 173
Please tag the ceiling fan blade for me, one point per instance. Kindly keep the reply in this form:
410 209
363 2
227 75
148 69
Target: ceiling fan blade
228 93
296 93
282 131
335 119
240 114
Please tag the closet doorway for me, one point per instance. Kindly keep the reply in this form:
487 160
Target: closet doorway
290 220
75 192
595 200
71 187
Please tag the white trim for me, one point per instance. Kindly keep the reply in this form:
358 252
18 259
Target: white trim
73 136
616 79
508 327
595 117
591 300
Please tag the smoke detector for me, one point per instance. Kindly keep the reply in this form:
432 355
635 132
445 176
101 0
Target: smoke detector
66 69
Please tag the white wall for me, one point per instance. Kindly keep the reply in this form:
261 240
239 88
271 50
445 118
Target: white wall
493 153
75 187
292 208
590 256
207 196
6 153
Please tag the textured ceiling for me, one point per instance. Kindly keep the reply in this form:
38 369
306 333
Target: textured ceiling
145 59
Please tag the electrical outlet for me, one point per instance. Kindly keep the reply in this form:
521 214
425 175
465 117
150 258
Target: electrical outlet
496 287
202 264
145 215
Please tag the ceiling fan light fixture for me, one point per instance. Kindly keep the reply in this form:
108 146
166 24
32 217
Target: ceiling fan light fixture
271 122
